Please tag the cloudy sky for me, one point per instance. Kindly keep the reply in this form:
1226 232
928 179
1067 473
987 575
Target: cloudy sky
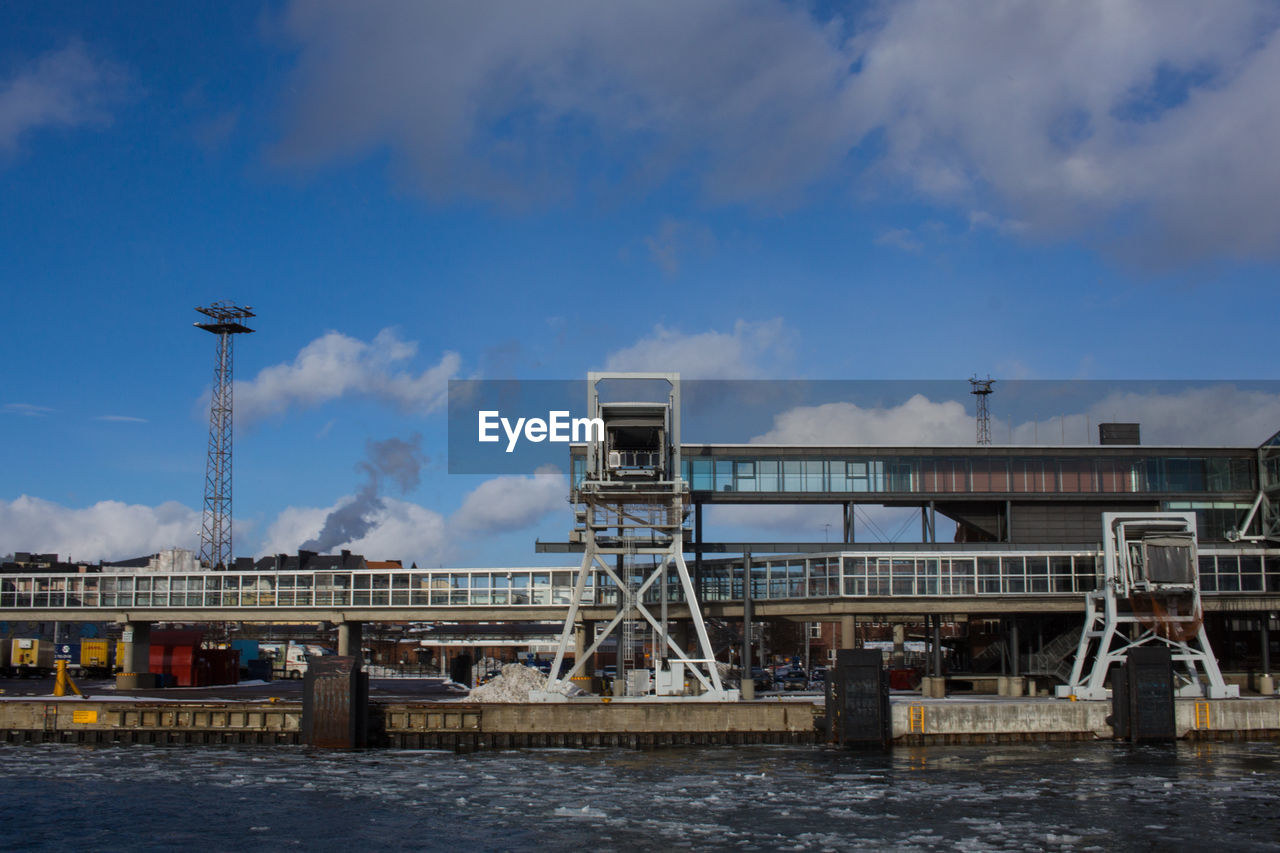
412 192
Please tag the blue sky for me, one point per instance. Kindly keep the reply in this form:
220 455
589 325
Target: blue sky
412 192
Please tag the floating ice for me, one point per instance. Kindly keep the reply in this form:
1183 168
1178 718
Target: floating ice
585 811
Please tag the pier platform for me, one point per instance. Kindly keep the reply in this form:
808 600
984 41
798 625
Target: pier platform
466 726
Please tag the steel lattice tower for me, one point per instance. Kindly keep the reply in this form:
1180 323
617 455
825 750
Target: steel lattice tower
981 388
215 529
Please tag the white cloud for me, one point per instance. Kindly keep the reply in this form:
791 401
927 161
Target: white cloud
405 531
121 419
398 530
500 101
751 350
107 530
817 523
1217 414
1213 415
503 504
29 410
1154 119
402 530
335 365
918 421
62 88
1075 115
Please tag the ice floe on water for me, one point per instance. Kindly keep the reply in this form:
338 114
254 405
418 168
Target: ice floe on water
740 798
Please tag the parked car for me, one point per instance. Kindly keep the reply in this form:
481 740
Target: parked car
818 677
793 679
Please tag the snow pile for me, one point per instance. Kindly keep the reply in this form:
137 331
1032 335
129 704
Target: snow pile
514 684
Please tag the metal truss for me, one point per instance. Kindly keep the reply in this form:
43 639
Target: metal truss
1106 641
215 527
1150 564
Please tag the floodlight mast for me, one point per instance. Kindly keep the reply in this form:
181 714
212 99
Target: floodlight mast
632 504
215 526
981 388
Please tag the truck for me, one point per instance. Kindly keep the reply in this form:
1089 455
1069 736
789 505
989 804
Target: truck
290 658
95 657
30 656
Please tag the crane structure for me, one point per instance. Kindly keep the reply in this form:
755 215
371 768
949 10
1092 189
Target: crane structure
1150 595
215 526
632 503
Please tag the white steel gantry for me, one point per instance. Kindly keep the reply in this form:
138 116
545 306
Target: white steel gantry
1150 595
632 503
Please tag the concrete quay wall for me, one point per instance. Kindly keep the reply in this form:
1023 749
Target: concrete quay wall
957 721
596 723
63 720
469 726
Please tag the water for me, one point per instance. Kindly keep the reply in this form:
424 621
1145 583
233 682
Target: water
1054 797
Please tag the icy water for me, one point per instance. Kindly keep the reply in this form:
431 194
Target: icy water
1051 797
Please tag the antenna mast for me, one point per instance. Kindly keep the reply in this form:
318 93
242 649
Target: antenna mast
215 528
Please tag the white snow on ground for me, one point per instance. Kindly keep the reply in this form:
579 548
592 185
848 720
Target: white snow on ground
514 684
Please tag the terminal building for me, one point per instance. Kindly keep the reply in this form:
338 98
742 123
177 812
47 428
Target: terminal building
1005 591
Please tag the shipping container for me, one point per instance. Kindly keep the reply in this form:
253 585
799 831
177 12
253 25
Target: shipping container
30 656
178 658
95 657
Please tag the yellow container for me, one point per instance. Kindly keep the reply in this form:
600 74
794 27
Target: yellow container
31 654
95 653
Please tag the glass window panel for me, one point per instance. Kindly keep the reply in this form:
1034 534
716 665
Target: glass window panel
928 580
856 474
767 475
724 475
703 478
904 577
989 574
792 476
1086 573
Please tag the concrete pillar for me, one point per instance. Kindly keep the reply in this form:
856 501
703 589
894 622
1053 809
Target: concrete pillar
848 631
580 645
698 591
1266 644
351 641
1014 646
748 685
135 658
899 644
937 645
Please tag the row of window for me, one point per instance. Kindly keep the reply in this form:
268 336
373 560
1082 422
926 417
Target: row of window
783 578
1005 474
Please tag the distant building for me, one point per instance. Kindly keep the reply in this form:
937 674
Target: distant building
168 560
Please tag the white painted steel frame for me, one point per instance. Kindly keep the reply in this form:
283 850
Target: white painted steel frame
1098 649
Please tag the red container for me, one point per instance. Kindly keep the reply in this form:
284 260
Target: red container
173 655
904 679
